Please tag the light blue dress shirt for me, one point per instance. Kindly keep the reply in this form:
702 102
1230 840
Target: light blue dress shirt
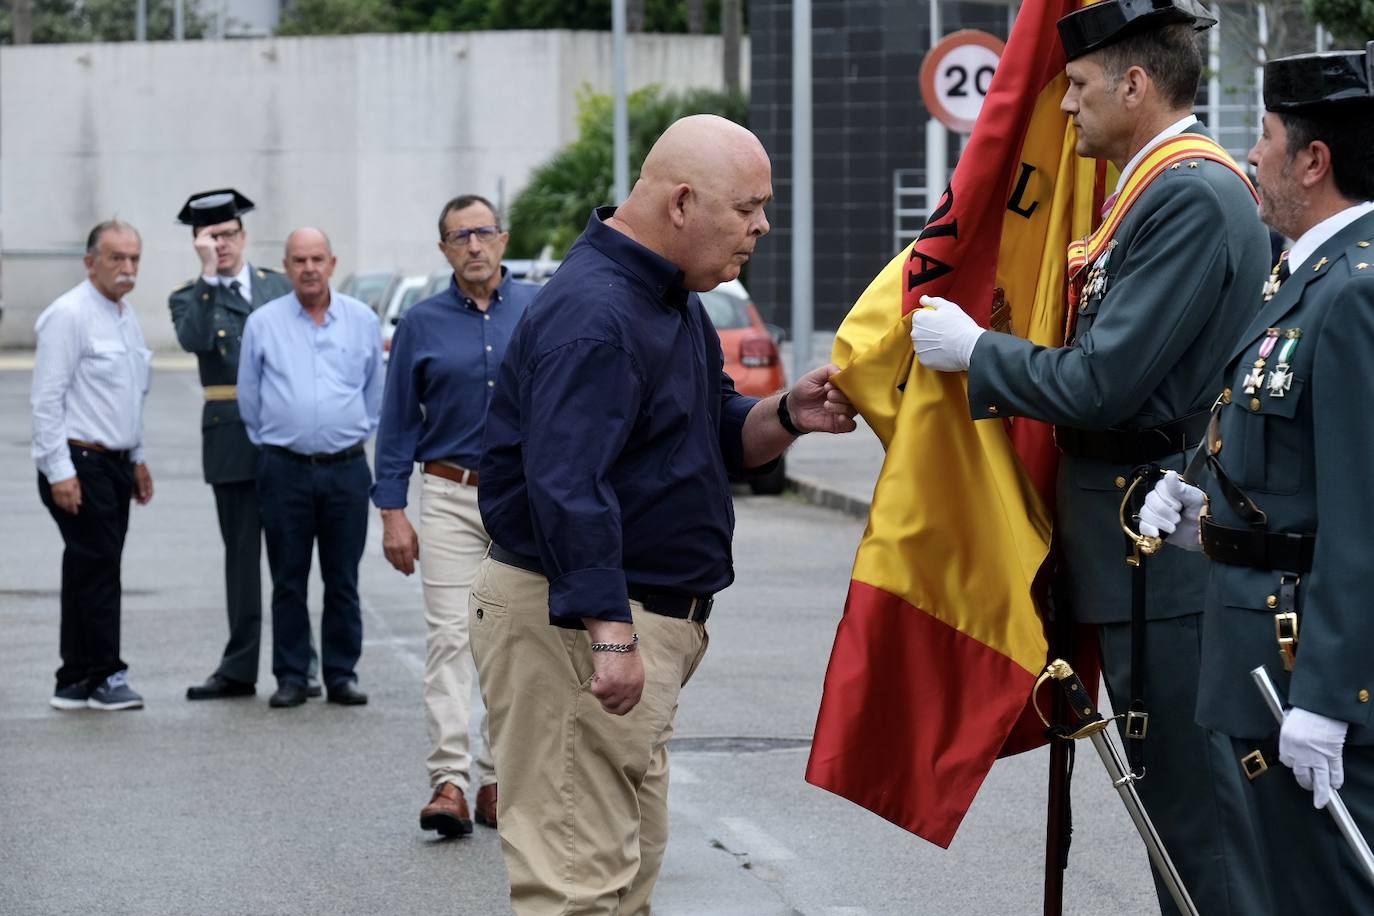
311 388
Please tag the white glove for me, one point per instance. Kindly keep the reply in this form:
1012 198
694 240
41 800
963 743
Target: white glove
1311 744
943 335
1173 508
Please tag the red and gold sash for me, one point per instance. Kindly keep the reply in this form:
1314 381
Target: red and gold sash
1171 154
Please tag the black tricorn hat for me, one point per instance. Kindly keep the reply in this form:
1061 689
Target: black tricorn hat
1314 81
1101 24
210 207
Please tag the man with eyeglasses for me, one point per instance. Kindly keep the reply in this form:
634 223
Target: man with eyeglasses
209 314
440 378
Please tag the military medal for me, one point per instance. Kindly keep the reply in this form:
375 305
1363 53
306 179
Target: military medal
1271 286
1255 379
1281 379
1097 276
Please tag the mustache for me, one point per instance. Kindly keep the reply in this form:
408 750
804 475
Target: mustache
126 278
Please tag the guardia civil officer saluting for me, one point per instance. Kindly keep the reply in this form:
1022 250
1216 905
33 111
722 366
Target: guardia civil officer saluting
209 314
1290 492
1159 292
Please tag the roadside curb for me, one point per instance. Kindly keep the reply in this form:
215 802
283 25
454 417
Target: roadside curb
826 497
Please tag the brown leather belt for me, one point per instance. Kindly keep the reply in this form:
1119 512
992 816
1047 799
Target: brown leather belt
450 472
221 392
97 447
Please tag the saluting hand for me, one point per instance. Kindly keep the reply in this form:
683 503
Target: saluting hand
205 248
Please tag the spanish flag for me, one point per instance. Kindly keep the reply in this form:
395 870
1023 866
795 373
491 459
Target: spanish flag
941 638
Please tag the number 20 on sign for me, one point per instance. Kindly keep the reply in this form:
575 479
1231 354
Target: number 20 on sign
955 77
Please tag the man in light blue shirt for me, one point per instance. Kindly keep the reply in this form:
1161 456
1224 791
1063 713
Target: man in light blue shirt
310 391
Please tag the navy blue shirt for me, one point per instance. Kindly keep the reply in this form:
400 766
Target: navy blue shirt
439 380
613 434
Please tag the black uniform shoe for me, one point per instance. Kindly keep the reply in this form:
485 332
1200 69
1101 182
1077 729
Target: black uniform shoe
219 687
288 694
348 694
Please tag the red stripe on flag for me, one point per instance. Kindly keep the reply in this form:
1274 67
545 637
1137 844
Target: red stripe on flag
914 714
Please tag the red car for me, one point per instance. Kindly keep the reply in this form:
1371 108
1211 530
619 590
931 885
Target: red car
751 355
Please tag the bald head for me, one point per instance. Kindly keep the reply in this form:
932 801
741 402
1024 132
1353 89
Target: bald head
309 264
699 199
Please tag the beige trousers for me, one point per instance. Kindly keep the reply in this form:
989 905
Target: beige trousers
452 544
583 809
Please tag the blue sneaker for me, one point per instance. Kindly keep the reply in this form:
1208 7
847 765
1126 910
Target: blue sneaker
115 693
73 696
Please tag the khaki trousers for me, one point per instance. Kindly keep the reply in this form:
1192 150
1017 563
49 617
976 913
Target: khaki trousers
583 809
452 544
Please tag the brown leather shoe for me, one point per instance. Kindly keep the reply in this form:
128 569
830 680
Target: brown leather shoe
447 812
486 805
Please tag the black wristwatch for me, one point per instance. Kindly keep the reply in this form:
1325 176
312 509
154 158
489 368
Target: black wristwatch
785 418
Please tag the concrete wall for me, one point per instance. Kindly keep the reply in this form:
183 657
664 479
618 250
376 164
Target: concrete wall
363 136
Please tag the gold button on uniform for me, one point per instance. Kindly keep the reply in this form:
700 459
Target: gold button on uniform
1271 601
992 408
1216 447
1226 396
1254 404
1121 483
1363 695
219 333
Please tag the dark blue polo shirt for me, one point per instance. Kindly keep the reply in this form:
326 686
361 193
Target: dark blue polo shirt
439 380
613 434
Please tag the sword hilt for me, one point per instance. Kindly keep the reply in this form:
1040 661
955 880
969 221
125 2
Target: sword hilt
1090 721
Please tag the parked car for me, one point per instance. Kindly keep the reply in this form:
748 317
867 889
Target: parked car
372 286
751 356
403 295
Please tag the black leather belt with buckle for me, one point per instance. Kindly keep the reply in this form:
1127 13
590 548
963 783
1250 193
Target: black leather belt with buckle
667 603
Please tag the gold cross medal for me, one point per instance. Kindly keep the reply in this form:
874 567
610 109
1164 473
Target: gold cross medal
1097 279
1255 378
1271 286
1281 379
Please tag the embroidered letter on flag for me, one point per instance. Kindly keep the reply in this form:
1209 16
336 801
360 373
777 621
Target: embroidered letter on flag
941 638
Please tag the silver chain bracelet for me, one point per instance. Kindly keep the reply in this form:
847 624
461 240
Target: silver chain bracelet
617 646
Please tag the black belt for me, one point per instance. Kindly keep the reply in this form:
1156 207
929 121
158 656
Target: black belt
1257 547
352 451
666 603
1134 446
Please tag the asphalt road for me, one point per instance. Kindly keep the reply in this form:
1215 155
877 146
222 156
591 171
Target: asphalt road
233 808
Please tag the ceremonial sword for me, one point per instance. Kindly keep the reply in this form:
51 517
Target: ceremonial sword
1339 812
1091 725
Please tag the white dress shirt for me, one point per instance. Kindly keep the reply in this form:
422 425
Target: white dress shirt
245 278
1315 237
90 377
1173 130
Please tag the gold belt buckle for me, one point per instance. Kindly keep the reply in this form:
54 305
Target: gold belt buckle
1254 765
1286 632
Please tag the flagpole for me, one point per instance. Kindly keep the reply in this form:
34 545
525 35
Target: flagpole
1058 816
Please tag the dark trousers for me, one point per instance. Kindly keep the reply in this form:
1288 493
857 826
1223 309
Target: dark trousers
1193 789
94 539
1306 862
303 504
241 528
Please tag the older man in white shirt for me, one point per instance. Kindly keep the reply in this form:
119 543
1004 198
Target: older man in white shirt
90 378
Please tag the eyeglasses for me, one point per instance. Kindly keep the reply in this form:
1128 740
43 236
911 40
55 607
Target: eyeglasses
227 235
460 236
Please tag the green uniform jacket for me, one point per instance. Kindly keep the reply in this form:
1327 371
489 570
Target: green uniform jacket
209 321
1303 458
1189 260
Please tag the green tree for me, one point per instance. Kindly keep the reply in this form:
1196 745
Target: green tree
337 17
553 207
1350 22
56 21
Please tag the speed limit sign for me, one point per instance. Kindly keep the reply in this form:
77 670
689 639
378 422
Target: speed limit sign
955 77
